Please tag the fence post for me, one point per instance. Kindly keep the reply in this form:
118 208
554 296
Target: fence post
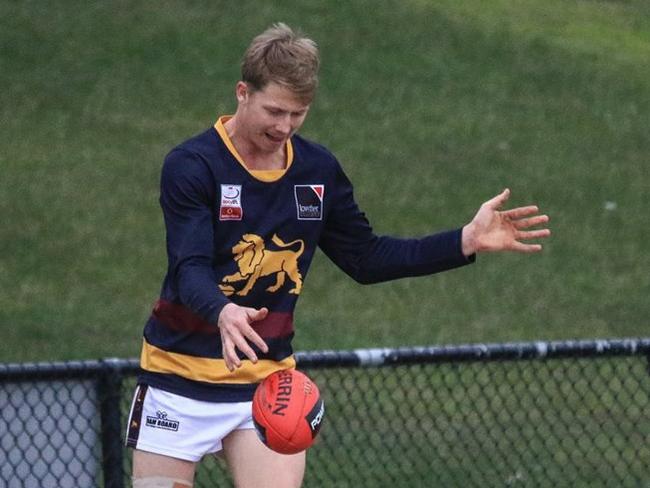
109 390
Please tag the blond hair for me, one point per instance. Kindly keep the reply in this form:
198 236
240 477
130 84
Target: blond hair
282 56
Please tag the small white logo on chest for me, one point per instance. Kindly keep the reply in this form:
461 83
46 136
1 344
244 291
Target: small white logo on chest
231 208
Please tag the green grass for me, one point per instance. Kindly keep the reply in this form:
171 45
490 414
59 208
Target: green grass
432 107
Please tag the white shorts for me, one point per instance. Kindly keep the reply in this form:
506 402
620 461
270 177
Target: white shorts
180 427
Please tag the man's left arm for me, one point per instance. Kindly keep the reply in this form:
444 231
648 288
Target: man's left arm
348 240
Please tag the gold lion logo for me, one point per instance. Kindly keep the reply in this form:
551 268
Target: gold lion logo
255 261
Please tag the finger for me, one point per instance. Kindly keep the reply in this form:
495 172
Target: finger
224 348
249 332
526 248
498 201
516 213
257 315
531 222
232 360
256 339
229 354
246 349
235 362
533 234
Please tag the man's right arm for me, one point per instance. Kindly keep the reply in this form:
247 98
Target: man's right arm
186 195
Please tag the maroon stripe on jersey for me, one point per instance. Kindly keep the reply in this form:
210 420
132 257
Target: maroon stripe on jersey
276 324
178 317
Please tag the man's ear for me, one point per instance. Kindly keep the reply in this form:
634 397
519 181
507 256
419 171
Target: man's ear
241 91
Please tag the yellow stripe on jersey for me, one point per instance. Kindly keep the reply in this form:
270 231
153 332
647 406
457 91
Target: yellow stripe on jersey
208 370
265 176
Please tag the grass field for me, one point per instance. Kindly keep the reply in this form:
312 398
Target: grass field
432 107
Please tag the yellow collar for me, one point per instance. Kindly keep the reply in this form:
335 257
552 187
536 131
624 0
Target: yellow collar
262 175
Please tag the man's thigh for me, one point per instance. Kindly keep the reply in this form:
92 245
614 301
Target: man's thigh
253 465
155 470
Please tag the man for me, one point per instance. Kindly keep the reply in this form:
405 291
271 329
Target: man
246 203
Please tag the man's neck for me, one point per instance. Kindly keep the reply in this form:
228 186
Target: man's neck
254 159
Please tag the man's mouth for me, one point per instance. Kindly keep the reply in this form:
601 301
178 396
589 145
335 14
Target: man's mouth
275 138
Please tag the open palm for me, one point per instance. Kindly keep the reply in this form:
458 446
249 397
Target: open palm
493 230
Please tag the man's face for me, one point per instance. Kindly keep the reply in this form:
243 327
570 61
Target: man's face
269 116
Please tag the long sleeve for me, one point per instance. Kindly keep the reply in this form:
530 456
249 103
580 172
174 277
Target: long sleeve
187 188
348 240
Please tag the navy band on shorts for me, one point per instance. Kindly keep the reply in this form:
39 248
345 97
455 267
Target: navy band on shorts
135 419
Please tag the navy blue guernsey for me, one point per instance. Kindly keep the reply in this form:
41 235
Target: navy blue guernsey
248 237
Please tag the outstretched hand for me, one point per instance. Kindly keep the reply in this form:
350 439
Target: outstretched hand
494 230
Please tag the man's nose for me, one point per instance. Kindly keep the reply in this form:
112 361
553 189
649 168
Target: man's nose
284 124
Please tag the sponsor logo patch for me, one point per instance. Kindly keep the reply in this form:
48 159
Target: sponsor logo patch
231 208
160 421
309 201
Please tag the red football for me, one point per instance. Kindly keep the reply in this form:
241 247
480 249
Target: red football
287 411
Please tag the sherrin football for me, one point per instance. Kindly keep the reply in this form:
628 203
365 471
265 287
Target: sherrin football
287 411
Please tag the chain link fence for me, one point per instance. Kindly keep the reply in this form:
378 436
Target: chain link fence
547 414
